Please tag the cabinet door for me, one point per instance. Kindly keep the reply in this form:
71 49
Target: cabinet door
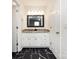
35 40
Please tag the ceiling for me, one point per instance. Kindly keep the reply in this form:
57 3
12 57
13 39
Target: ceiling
46 4
38 2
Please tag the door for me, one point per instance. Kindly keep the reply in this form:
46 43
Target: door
14 34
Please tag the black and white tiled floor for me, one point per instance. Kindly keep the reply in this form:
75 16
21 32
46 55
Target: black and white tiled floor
34 53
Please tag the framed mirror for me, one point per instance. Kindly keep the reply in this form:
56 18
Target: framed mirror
35 20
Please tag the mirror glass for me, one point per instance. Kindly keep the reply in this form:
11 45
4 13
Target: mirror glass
35 20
